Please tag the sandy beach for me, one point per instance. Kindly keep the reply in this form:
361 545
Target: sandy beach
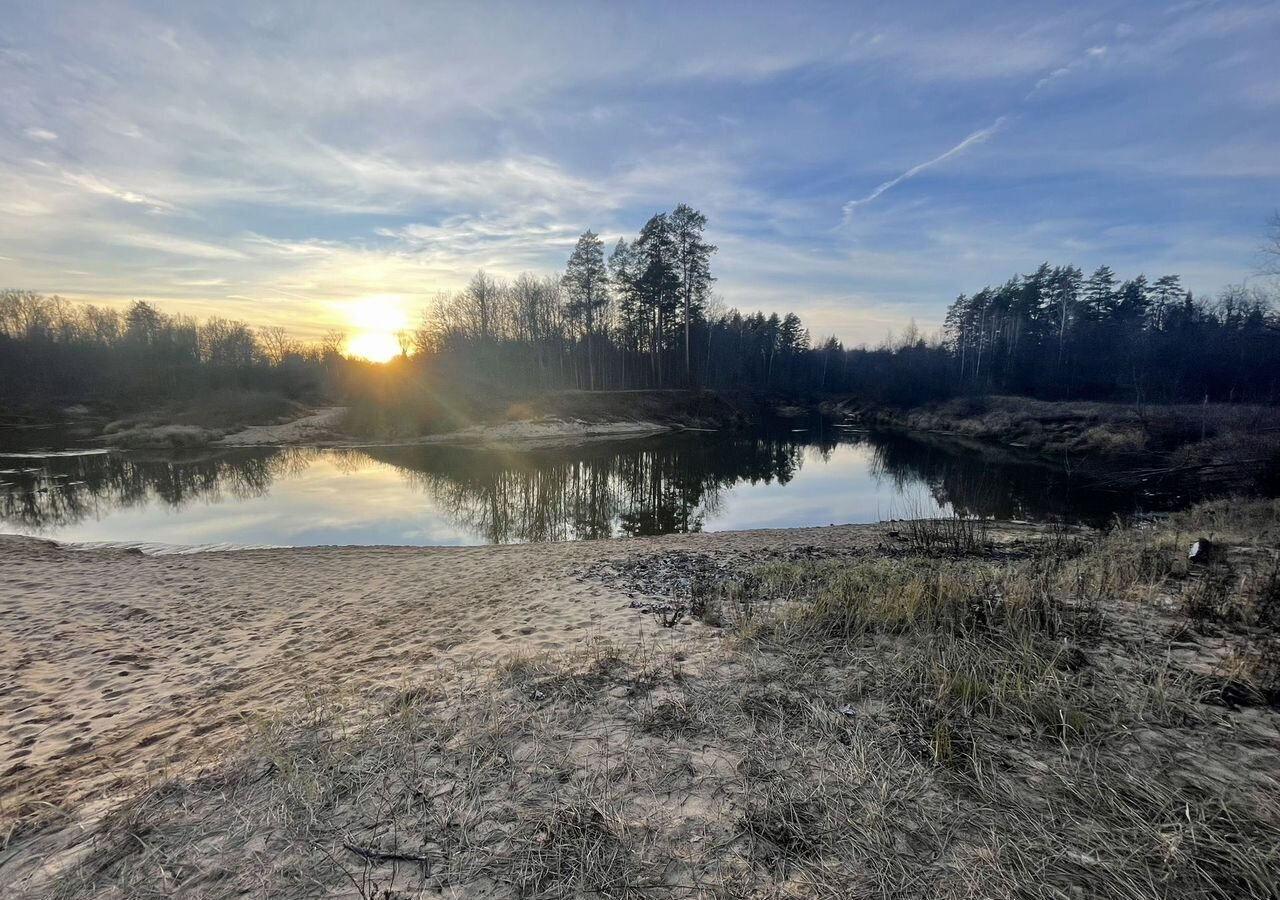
397 721
323 427
117 667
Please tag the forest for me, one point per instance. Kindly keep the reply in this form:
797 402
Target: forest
643 316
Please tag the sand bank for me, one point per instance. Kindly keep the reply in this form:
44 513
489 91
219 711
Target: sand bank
895 735
318 426
116 666
324 427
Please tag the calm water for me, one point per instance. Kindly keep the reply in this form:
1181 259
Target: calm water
789 476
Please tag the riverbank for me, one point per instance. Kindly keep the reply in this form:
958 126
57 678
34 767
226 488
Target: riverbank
1218 447
326 428
121 663
554 418
913 710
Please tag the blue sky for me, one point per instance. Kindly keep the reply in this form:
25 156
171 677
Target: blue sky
860 164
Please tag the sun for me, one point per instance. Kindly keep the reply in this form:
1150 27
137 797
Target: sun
375 346
377 321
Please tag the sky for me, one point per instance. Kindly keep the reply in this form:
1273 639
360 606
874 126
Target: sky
860 164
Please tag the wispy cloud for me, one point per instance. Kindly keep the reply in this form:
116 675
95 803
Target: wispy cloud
172 245
95 185
268 166
1090 55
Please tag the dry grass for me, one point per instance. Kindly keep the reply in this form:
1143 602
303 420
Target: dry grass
1218 439
956 535
914 727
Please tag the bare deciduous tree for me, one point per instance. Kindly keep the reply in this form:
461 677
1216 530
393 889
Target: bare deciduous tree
275 344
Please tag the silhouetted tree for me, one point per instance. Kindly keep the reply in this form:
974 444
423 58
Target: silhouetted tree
586 282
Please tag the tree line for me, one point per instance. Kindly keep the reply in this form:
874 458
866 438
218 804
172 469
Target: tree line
636 318
56 352
643 316
1058 334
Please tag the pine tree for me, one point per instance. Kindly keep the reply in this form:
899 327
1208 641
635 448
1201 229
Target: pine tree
1100 294
658 285
1064 294
1165 294
693 266
586 282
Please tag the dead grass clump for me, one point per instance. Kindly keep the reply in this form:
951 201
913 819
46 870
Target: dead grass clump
957 535
1242 520
1214 596
1140 835
541 679
574 679
1013 682
773 706
1111 439
1129 563
785 821
1264 669
670 717
1266 600
706 603
575 848
846 599
737 601
162 437
1250 675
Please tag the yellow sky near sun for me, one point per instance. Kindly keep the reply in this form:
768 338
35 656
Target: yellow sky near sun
373 324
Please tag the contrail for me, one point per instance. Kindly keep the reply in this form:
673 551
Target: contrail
976 138
1093 53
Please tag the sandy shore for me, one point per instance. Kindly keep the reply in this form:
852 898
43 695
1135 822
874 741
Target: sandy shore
307 429
322 427
1089 704
115 666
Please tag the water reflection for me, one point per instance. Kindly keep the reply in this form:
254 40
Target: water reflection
40 494
664 486
670 484
982 480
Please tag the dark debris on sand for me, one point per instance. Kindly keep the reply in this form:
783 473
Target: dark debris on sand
661 583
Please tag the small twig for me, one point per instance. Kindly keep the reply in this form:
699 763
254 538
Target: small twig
374 855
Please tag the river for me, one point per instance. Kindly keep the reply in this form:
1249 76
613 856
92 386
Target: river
796 473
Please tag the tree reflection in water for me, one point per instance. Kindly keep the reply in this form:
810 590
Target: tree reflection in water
669 484
40 494
993 482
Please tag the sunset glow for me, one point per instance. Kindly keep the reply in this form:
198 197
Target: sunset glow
349 160
374 346
375 324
